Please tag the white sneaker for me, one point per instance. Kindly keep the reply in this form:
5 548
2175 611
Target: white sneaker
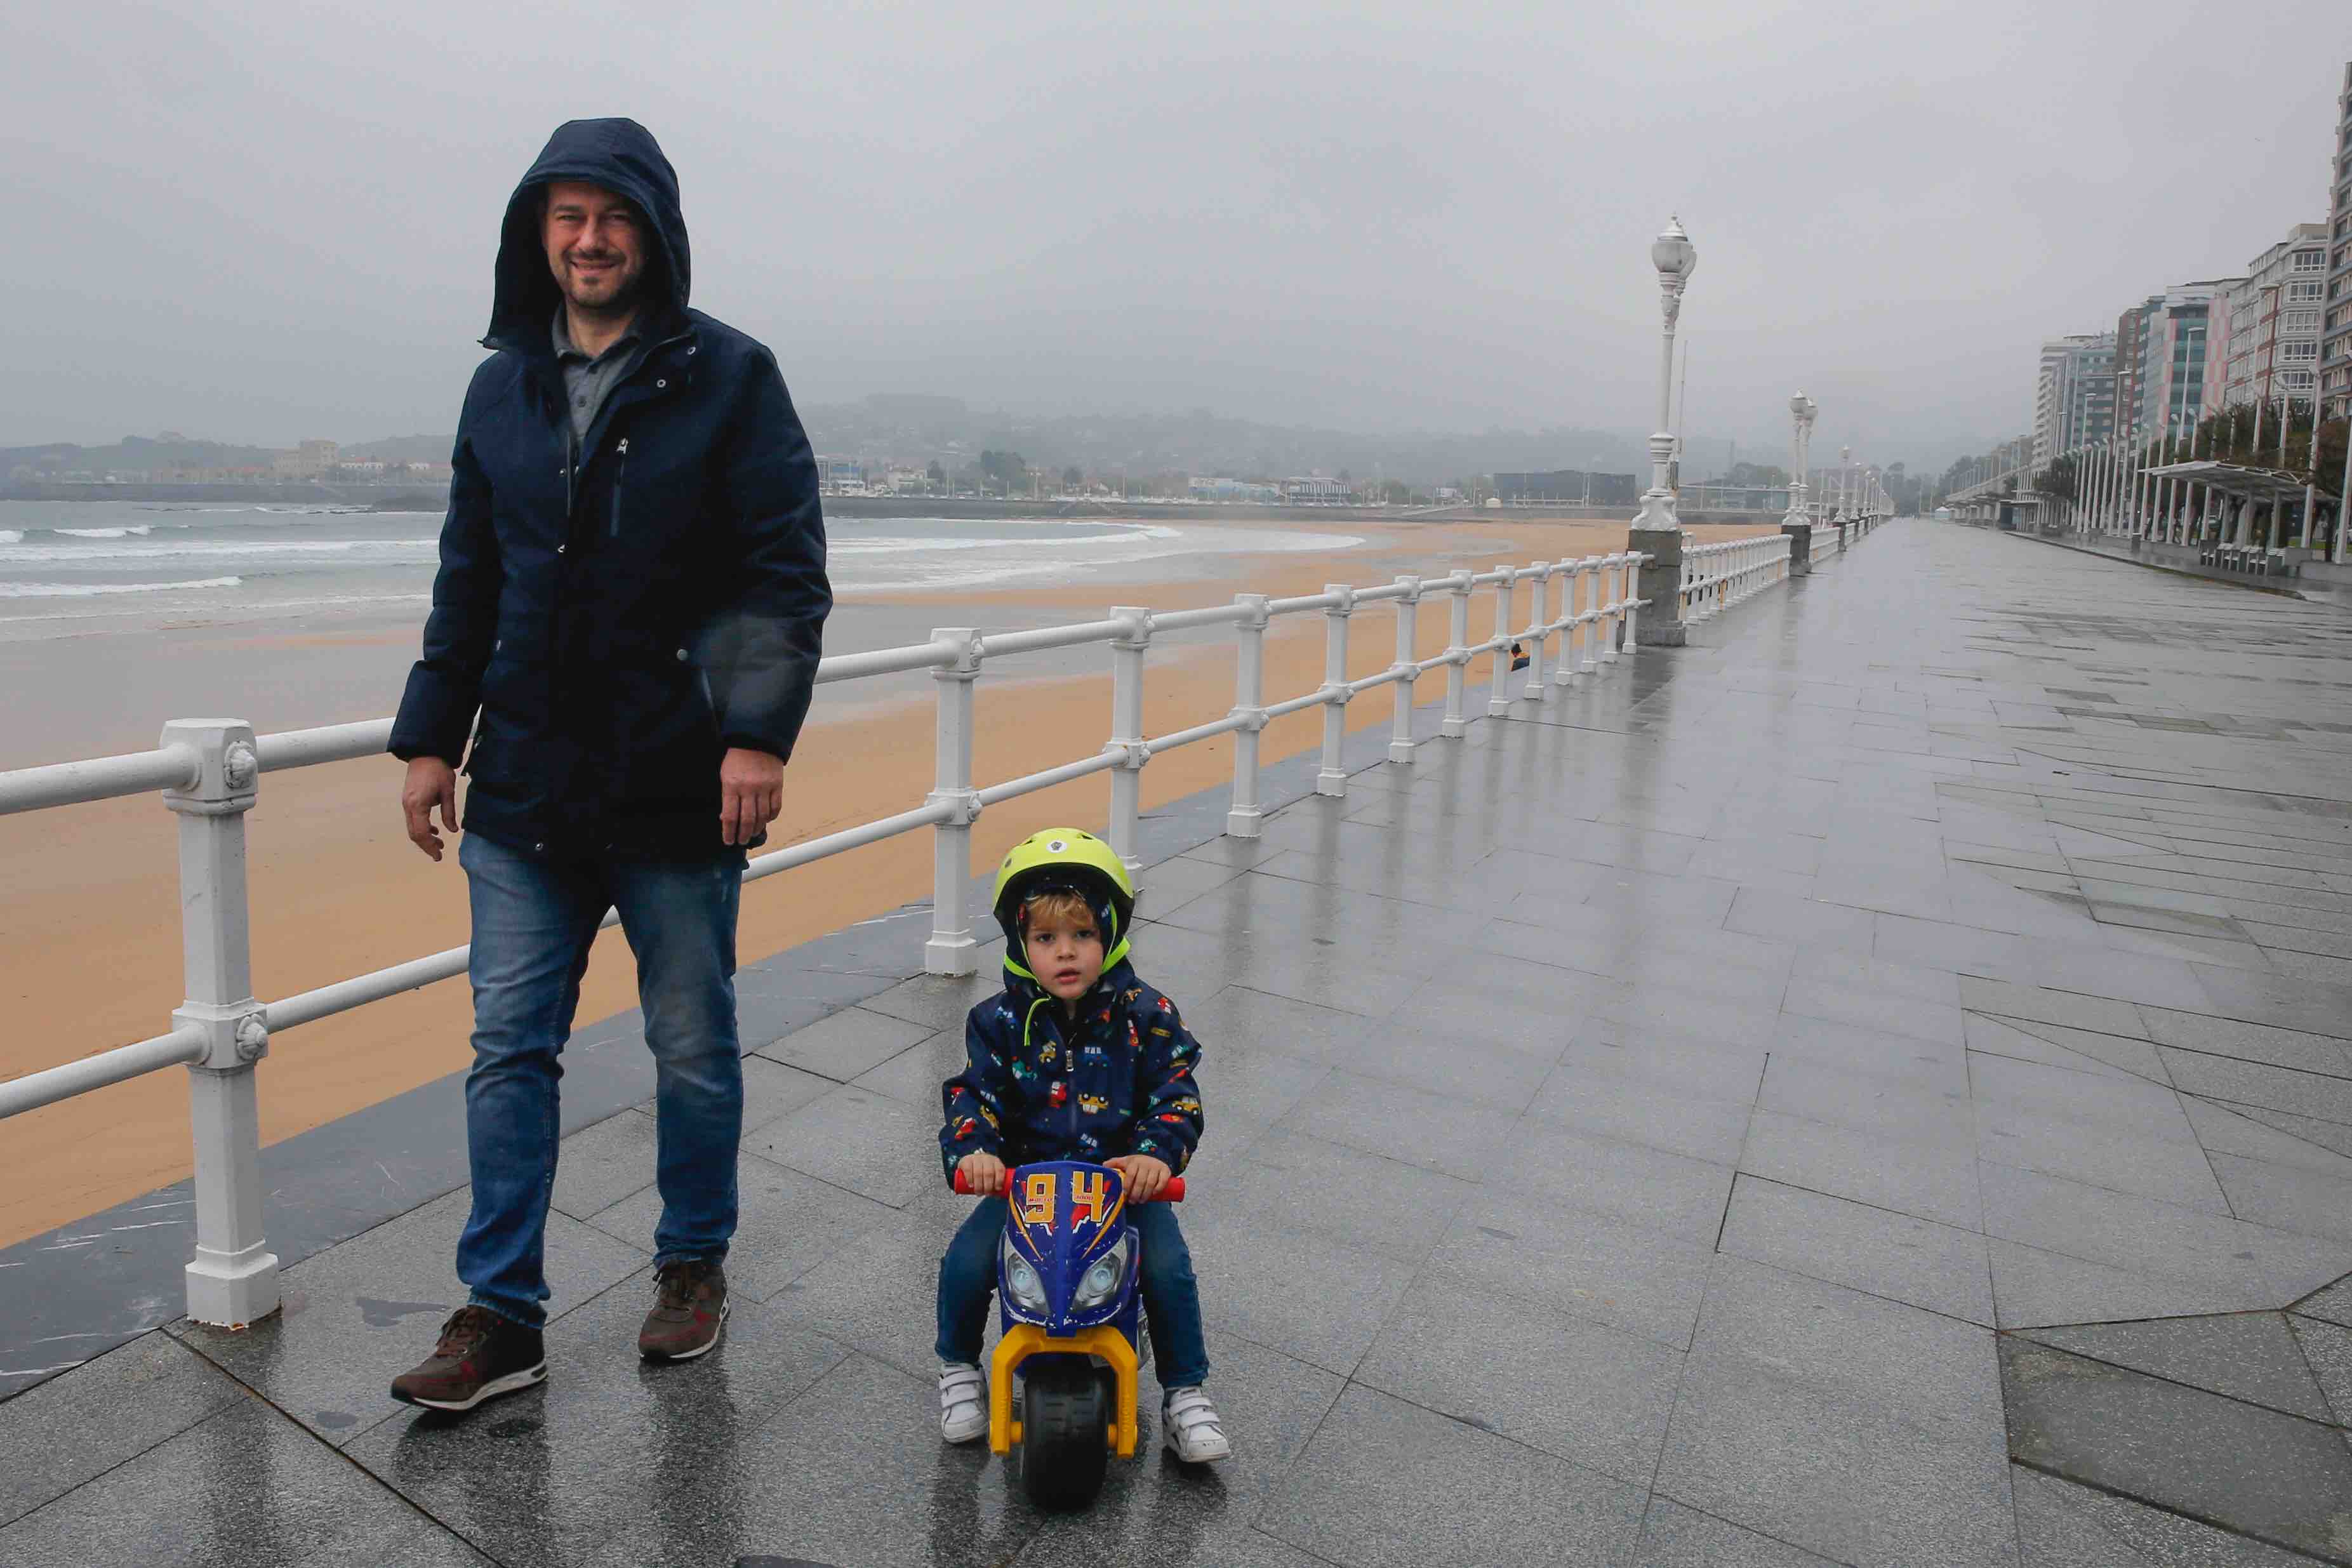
1189 1424
963 1402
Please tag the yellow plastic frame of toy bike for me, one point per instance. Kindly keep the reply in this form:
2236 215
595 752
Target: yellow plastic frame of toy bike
1023 1340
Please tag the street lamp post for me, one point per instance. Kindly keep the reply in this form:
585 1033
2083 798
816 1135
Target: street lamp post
1656 531
1797 525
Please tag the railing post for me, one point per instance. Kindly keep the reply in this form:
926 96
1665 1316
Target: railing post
1332 778
1499 695
1456 722
1593 572
1243 821
1628 574
1533 690
233 1279
950 950
1127 729
1407 669
1571 630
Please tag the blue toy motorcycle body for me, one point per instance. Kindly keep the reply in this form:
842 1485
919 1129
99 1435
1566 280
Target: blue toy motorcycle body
1067 1270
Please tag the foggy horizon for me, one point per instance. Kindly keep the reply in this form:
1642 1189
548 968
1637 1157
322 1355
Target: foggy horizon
1354 219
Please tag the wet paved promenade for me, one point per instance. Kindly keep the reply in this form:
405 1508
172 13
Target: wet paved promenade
1871 1086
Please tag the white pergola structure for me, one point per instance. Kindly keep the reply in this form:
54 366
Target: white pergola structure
2240 490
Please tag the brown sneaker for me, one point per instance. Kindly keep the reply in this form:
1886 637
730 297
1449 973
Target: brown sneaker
481 1355
685 1317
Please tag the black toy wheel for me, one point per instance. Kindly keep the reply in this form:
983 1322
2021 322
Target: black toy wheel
1065 1412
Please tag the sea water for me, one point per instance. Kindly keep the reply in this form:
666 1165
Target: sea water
65 565
115 616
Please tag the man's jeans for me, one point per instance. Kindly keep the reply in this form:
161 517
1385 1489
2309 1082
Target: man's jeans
1171 1297
533 921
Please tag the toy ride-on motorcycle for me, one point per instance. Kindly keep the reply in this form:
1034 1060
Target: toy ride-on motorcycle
1067 1289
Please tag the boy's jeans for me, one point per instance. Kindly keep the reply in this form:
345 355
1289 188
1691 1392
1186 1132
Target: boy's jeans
1171 1297
533 921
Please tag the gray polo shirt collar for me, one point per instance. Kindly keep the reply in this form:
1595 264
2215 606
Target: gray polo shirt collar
588 382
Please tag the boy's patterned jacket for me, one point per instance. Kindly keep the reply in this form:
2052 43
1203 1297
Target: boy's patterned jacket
1036 1086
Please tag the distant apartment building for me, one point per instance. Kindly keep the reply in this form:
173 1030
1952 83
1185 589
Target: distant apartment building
2335 361
2128 338
2075 394
2263 337
2160 348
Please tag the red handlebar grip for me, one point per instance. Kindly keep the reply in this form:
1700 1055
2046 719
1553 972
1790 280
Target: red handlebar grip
967 1190
1174 1193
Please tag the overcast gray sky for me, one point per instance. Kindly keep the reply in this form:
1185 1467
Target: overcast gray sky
258 222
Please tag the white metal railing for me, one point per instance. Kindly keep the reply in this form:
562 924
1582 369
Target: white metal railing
209 773
1717 576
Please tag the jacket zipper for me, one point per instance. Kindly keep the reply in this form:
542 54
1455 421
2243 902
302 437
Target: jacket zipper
1071 1050
620 471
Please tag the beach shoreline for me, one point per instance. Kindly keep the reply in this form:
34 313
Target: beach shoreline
89 920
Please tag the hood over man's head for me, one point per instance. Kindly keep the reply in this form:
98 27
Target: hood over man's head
617 155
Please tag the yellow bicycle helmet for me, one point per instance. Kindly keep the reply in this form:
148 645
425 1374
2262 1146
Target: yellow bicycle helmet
1065 859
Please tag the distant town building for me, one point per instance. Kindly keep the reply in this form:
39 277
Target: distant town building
1222 489
310 459
839 476
1568 485
2263 339
2335 340
1314 489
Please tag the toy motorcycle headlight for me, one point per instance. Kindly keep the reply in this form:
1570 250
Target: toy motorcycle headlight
1103 1279
1020 1281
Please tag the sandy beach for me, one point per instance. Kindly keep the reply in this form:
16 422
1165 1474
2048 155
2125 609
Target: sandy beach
88 936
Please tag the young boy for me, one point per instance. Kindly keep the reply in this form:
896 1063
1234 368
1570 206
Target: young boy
1078 1059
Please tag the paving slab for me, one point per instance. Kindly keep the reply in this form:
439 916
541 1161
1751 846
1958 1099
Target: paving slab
1673 1536
358 1316
605 1440
1898 1256
2252 1471
2249 1356
1386 1484
71 1430
846 1044
245 1488
1565 1385
2063 1525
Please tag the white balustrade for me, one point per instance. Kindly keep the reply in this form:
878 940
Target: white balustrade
209 772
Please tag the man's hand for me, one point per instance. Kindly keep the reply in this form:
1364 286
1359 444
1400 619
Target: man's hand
750 794
1143 1175
431 782
983 1172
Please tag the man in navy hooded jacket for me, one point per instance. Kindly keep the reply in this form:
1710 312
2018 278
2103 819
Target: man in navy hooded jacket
622 645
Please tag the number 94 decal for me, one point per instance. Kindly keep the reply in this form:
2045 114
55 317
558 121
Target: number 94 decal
1090 1202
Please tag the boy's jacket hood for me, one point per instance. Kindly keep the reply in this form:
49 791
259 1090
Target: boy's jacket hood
622 157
